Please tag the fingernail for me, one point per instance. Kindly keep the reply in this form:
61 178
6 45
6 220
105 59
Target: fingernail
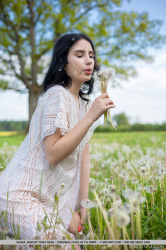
79 229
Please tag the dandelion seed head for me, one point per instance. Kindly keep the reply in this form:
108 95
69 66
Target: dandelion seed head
106 180
112 189
112 178
158 163
123 219
106 73
105 190
134 180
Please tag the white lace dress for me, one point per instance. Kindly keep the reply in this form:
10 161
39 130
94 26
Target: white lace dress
22 176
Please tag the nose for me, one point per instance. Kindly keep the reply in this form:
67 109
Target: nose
88 60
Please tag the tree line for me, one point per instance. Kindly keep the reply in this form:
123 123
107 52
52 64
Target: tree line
122 124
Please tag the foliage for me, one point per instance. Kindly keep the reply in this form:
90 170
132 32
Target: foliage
133 127
29 29
20 126
13 125
121 119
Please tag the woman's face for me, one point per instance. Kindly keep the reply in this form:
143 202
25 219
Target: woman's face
80 57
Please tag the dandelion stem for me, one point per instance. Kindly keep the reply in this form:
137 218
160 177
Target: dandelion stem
90 226
115 220
104 84
127 236
99 221
105 217
124 238
138 223
132 222
162 206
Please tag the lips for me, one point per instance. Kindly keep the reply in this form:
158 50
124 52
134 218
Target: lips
88 71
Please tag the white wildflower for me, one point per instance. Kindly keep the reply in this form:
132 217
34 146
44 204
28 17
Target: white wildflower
124 174
106 73
159 176
92 180
123 219
105 191
150 189
133 196
162 170
158 164
110 212
88 204
112 189
143 171
134 180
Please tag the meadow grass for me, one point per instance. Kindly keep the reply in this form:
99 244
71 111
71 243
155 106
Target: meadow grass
145 139
127 194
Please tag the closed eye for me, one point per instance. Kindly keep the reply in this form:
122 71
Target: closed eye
90 56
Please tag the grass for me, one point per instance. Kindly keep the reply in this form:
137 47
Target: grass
11 139
117 158
145 139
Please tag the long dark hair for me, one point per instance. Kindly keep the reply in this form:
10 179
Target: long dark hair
56 75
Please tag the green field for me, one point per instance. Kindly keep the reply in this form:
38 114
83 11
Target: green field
145 139
121 162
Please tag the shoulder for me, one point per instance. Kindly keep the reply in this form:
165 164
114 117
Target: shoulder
59 92
57 89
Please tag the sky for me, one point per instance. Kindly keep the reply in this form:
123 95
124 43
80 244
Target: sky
142 99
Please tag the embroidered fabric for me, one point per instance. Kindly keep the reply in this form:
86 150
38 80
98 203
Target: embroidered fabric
29 178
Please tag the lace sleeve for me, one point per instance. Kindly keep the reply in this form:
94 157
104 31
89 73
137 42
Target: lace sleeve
55 112
94 125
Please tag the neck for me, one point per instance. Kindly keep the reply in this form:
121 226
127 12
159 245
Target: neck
74 90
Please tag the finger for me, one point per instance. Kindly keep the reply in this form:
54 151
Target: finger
104 95
110 106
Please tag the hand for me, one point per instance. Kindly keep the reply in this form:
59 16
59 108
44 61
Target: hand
99 106
83 217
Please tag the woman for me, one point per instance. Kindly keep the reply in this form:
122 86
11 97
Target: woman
54 159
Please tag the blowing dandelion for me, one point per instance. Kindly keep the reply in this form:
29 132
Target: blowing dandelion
103 76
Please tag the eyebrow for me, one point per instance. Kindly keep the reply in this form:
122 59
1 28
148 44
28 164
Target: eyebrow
91 51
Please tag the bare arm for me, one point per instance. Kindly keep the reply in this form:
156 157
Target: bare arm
84 174
58 147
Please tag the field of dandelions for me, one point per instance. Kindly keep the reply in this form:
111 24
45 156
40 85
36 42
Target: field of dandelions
127 192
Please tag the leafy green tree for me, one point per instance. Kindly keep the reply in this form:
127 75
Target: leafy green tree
121 119
30 28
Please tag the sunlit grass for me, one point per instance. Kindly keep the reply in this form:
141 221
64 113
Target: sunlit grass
7 133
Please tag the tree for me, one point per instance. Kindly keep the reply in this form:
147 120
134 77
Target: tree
121 119
30 28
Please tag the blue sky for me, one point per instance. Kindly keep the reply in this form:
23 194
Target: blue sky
142 98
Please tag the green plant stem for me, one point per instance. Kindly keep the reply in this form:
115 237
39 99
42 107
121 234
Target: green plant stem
105 216
99 222
162 207
132 222
124 238
138 223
